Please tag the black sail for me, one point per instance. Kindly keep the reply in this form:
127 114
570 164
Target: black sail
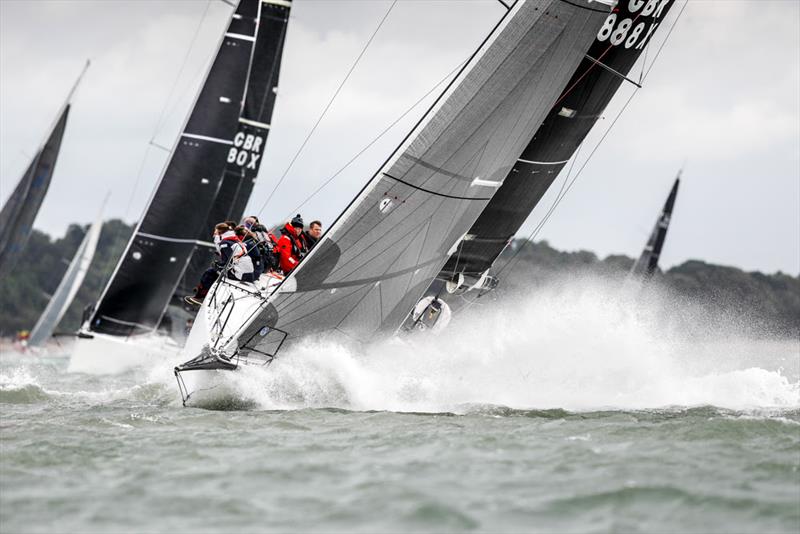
245 156
647 263
159 250
21 208
619 43
379 256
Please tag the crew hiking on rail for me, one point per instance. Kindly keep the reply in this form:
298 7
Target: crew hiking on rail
248 251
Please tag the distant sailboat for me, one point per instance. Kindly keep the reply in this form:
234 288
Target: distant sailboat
69 285
647 264
20 210
374 263
223 135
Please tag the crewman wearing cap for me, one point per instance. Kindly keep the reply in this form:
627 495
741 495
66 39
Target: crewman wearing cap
290 247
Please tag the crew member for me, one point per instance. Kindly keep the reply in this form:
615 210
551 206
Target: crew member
312 235
290 247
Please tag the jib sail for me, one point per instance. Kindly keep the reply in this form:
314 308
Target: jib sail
244 157
618 44
69 285
21 208
647 263
375 262
160 249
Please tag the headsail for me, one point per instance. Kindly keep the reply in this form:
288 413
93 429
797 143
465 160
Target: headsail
621 39
69 285
245 156
159 250
21 208
647 263
373 264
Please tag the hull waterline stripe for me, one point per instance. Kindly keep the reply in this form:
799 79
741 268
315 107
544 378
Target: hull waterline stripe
240 36
175 239
542 162
206 138
254 123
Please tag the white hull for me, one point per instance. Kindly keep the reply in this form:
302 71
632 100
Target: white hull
103 354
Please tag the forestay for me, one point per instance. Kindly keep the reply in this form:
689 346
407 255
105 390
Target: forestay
619 43
647 263
69 285
376 260
162 244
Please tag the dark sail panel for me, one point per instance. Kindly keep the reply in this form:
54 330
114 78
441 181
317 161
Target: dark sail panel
647 263
245 156
162 245
619 43
20 210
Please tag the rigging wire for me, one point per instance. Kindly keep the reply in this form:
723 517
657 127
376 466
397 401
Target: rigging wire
164 109
561 196
376 139
327 107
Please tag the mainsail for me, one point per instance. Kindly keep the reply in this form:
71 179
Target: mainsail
647 263
245 156
159 251
69 285
622 37
21 208
376 260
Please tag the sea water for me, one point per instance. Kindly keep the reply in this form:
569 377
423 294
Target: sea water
568 410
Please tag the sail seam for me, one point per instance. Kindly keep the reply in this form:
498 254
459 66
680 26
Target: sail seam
434 192
241 36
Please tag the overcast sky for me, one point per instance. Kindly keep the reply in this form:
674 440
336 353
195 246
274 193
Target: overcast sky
723 99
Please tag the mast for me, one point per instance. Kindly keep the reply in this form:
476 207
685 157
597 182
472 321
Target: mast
70 283
21 208
647 263
244 158
160 248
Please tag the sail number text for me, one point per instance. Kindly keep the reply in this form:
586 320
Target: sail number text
625 31
246 149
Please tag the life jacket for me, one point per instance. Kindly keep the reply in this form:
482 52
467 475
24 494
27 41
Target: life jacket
266 246
235 256
290 249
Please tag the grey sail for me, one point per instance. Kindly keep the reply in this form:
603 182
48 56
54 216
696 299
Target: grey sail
69 285
647 263
374 263
20 210
136 297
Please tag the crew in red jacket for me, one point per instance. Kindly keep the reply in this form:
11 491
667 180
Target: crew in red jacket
290 247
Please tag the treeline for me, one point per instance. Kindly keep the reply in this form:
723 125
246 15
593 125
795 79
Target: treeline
770 303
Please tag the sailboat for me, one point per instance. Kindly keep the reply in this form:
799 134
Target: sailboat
647 264
69 285
210 171
20 210
622 38
364 275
